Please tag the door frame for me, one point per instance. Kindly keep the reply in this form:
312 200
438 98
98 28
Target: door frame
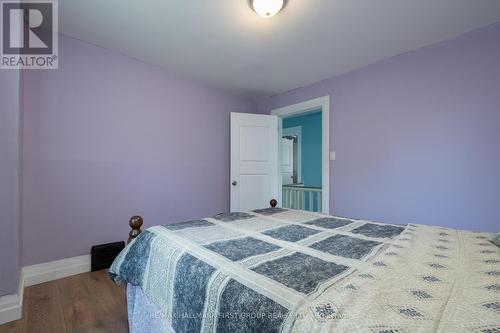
301 108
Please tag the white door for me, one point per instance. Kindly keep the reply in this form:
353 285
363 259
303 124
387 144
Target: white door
254 161
286 161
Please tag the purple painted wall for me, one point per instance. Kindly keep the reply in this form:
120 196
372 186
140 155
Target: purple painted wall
10 204
417 136
107 137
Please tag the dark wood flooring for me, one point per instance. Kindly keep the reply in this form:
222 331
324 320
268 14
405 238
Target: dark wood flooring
88 302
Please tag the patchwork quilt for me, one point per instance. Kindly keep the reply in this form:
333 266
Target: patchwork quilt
277 270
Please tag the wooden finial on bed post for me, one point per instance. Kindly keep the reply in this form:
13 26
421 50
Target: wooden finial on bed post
135 223
273 203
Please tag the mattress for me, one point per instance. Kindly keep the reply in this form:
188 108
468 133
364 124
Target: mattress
278 270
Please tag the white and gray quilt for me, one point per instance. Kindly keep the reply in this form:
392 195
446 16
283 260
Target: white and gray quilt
277 270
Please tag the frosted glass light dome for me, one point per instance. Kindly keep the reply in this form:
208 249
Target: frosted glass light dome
267 8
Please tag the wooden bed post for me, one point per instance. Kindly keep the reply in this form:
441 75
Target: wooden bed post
273 203
135 223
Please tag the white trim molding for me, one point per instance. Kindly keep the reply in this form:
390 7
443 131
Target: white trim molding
322 103
54 270
11 306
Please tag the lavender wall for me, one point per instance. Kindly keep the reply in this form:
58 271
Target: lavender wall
107 137
417 136
10 150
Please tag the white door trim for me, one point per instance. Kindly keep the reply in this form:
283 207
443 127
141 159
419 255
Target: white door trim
297 130
304 107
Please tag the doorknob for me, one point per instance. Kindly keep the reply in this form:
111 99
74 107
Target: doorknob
234 183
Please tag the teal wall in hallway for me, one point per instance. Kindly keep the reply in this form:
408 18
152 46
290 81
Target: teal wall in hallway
311 146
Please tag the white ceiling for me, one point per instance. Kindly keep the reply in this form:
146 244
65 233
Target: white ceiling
225 44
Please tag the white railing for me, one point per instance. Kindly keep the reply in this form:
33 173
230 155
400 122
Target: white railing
301 197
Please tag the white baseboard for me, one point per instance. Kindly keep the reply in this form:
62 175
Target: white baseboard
11 306
54 270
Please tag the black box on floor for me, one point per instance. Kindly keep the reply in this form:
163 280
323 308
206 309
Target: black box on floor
102 256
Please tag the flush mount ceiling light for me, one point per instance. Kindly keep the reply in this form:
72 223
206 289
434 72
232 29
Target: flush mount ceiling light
267 8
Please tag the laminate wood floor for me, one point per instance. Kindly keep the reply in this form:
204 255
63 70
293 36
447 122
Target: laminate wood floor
88 302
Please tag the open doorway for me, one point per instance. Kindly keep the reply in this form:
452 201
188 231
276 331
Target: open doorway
300 162
304 155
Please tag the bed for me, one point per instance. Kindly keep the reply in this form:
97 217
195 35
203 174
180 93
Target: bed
280 270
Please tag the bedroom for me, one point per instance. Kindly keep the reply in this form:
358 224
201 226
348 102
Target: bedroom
134 118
